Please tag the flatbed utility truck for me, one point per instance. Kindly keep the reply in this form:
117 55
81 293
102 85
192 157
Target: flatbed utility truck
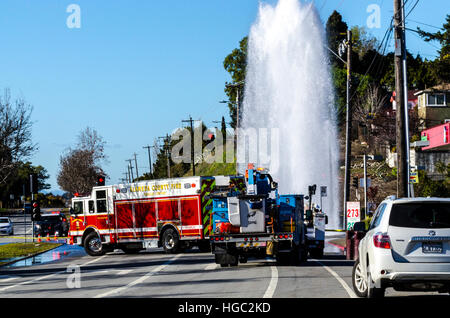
259 223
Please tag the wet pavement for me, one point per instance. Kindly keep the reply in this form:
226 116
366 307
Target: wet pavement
62 252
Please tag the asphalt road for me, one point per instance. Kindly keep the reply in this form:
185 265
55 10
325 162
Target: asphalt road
188 275
70 272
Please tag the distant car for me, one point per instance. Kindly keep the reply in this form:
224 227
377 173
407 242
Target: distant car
52 223
6 226
407 247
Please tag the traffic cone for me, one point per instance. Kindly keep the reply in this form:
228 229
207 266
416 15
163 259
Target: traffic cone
48 237
39 238
56 237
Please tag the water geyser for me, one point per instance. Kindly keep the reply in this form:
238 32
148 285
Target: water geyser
288 119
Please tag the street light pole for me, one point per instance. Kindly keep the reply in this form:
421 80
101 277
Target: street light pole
348 119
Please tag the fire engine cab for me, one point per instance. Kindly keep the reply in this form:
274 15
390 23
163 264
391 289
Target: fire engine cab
170 213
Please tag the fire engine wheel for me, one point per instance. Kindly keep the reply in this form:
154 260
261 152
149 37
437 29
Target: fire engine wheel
170 241
93 245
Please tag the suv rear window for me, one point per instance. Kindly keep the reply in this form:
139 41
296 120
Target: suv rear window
421 215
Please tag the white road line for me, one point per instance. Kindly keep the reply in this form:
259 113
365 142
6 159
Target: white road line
139 280
339 279
273 283
47 276
4 279
123 271
210 267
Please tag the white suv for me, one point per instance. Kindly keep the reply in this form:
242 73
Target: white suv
407 247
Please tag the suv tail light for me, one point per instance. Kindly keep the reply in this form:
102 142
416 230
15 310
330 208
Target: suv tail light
381 240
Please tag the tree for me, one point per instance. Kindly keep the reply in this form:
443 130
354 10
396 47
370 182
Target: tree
15 134
336 30
368 105
20 177
79 167
235 63
442 64
223 128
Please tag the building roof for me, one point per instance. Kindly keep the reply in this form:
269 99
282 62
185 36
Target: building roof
438 88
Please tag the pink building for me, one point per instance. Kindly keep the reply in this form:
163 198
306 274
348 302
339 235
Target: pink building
438 137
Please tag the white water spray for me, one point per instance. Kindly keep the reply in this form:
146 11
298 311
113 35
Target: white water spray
289 91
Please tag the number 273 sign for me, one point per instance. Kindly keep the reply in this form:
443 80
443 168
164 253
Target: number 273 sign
353 214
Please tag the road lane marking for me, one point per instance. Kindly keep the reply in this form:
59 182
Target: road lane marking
6 278
210 267
273 283
139 280
123 271
47 276
339 279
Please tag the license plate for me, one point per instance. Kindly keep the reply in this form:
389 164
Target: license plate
432 248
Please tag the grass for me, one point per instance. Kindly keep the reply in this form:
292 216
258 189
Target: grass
14 250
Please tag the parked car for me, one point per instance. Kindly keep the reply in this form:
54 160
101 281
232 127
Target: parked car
407 247
6 226
52 223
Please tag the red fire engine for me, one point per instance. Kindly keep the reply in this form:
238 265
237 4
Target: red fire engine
169 213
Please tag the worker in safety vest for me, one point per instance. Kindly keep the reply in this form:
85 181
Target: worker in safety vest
368 219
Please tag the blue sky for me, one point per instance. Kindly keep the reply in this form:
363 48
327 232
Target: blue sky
136 68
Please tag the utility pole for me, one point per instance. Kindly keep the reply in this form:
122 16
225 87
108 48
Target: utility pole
348 129
191 123
130 170
238 86
167 151
365 184
401 100
135 162
149 158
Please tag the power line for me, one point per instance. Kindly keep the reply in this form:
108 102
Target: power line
426 24
415 4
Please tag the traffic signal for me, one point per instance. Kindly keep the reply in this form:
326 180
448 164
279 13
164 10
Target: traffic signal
355 182
312 189
36 213
211 137
100 180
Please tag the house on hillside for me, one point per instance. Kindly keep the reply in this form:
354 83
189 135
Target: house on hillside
434 106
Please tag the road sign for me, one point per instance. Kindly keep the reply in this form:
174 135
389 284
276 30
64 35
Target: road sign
323 191
413 177
353 214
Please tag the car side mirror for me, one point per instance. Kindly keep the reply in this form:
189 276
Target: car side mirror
359 227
